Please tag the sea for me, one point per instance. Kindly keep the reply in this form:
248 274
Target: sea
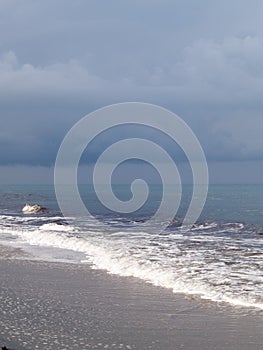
218 258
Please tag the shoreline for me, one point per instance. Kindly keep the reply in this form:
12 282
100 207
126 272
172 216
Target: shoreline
48 305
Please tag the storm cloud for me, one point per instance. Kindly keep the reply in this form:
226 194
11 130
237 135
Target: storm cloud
60 60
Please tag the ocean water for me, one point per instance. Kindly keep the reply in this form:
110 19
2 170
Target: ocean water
220 258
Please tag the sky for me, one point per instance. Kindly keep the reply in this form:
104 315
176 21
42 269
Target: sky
62 59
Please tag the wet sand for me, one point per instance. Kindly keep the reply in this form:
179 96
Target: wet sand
59 306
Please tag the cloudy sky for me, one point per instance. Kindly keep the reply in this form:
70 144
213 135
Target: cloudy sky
61 59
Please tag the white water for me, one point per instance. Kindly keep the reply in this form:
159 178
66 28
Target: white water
215 267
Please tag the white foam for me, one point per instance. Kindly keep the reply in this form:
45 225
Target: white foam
29 209
187 263
132 258
54 226
204 226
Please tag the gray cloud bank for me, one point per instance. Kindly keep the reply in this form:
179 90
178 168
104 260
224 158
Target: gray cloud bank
60 60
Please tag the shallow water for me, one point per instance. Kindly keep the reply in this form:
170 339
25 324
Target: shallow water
219 258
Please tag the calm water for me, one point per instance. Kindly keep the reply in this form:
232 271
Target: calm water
220 258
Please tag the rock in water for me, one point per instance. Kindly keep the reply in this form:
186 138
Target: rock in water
29 209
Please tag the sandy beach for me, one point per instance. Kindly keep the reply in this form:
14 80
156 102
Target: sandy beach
60 306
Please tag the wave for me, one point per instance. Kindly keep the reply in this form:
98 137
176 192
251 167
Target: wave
195 263
57 226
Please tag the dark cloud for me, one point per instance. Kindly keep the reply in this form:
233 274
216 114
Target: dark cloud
60 60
